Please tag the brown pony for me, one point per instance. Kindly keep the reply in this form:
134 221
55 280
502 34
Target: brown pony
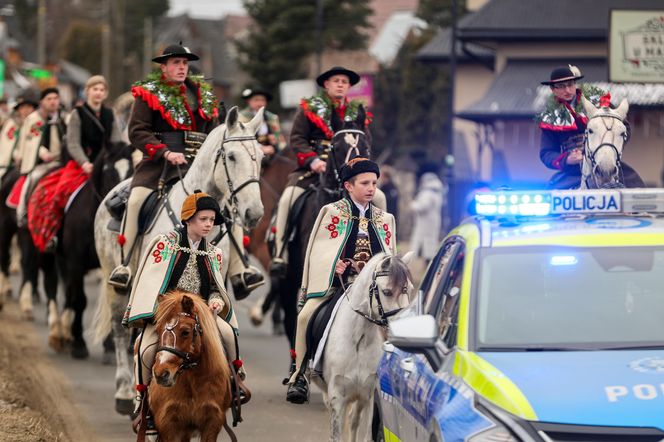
190 387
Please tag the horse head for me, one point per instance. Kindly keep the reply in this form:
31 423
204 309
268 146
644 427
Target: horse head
350 140
237 166
606 135
388 282
112 166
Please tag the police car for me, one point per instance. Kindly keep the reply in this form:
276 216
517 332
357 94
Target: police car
540 319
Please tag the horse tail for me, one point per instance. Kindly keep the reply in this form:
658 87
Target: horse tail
104 313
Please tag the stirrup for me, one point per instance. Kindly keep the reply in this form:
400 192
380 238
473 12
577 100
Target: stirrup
298 391
120 277
248 280
278 267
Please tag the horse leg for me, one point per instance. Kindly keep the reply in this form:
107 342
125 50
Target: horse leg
336 404
124 384
72 316
108 357
30 271
7 231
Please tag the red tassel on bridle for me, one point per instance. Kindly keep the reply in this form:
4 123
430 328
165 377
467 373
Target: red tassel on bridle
605 100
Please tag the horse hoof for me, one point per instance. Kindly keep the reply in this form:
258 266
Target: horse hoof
56 343
124 407
256 315
79 350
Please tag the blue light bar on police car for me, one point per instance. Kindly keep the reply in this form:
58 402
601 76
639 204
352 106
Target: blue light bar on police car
561 202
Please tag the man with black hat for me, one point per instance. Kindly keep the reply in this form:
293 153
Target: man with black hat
563 125
11 129
269 134
39 147
346 235
310 134
172 115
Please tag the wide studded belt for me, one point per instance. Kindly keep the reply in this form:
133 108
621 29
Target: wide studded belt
362 253
187 142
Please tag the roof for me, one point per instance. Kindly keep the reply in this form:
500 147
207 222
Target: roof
545 19
516 93
439 49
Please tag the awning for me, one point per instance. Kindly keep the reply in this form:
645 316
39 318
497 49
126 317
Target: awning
516 93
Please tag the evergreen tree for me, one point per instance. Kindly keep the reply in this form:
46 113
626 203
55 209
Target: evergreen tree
284 36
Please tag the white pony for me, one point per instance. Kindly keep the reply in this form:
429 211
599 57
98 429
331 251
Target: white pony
606 135
354 344
227 167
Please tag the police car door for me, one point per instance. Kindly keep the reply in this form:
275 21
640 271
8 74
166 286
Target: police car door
419 381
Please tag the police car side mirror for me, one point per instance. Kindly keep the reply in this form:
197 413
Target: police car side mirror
417 334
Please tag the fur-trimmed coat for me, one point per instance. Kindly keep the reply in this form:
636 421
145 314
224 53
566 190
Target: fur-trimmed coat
153 278
333 234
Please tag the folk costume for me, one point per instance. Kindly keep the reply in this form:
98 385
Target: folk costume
344 230
88 132
39 135
166 117
310 136
9 135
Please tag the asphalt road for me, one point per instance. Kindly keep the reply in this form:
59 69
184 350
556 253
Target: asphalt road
267 417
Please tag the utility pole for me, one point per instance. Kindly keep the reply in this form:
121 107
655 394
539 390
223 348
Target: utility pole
147 44
319 35
41 33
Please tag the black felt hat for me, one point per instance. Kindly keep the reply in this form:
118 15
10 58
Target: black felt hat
357 166
252 91
175 51
28 98
353 77
563 74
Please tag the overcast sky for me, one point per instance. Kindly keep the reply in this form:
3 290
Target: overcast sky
206 8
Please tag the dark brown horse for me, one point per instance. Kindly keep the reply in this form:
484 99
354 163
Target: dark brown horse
191 387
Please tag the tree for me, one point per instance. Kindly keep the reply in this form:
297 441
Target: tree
284 35
81 44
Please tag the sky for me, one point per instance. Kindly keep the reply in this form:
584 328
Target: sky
206 8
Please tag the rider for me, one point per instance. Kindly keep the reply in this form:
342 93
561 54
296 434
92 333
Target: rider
181 259
172 114
310 134
90 128
11 129
39 147
269 133
346 235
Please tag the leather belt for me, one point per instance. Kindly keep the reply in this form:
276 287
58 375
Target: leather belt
184 141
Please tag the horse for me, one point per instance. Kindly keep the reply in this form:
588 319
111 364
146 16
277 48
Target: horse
76 254
227 167
190 390
354 344
8 230
349 136
605 139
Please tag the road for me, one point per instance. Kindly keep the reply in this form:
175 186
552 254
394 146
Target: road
267 417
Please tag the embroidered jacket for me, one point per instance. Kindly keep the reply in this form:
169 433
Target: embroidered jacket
154 278
334 231
8 141
39 135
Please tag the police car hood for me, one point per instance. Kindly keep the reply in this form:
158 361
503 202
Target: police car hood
619 387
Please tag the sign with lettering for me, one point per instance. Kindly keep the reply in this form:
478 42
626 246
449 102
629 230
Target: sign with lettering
636 46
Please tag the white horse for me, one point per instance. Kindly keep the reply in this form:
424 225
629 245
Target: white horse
227 167
354 344
606 136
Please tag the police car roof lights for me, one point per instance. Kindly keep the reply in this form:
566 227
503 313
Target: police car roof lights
565 202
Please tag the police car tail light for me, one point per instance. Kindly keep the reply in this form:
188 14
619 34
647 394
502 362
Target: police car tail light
565 202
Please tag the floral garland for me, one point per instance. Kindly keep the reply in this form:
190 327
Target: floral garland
318 110
169 99
557 114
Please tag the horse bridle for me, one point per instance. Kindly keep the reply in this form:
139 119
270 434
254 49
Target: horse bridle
352 148
187 361
221 153
383 316
591 155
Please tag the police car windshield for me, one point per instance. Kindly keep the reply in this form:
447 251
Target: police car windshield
571 298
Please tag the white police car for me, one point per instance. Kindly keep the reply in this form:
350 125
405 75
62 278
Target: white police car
541 319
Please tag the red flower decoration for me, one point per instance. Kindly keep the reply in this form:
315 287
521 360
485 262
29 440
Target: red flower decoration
157 259
335 220
331 227
387 241
39 123
334 234
160 246
156 253
11 132
219 257
386 227
389 234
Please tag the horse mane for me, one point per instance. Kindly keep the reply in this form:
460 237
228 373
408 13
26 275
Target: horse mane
171 302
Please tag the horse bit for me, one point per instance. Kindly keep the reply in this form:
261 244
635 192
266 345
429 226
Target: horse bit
187 362
591 154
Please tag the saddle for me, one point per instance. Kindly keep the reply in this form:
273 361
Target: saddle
117 204
318 326
295 214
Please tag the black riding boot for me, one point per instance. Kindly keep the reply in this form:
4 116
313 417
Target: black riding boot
298 391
